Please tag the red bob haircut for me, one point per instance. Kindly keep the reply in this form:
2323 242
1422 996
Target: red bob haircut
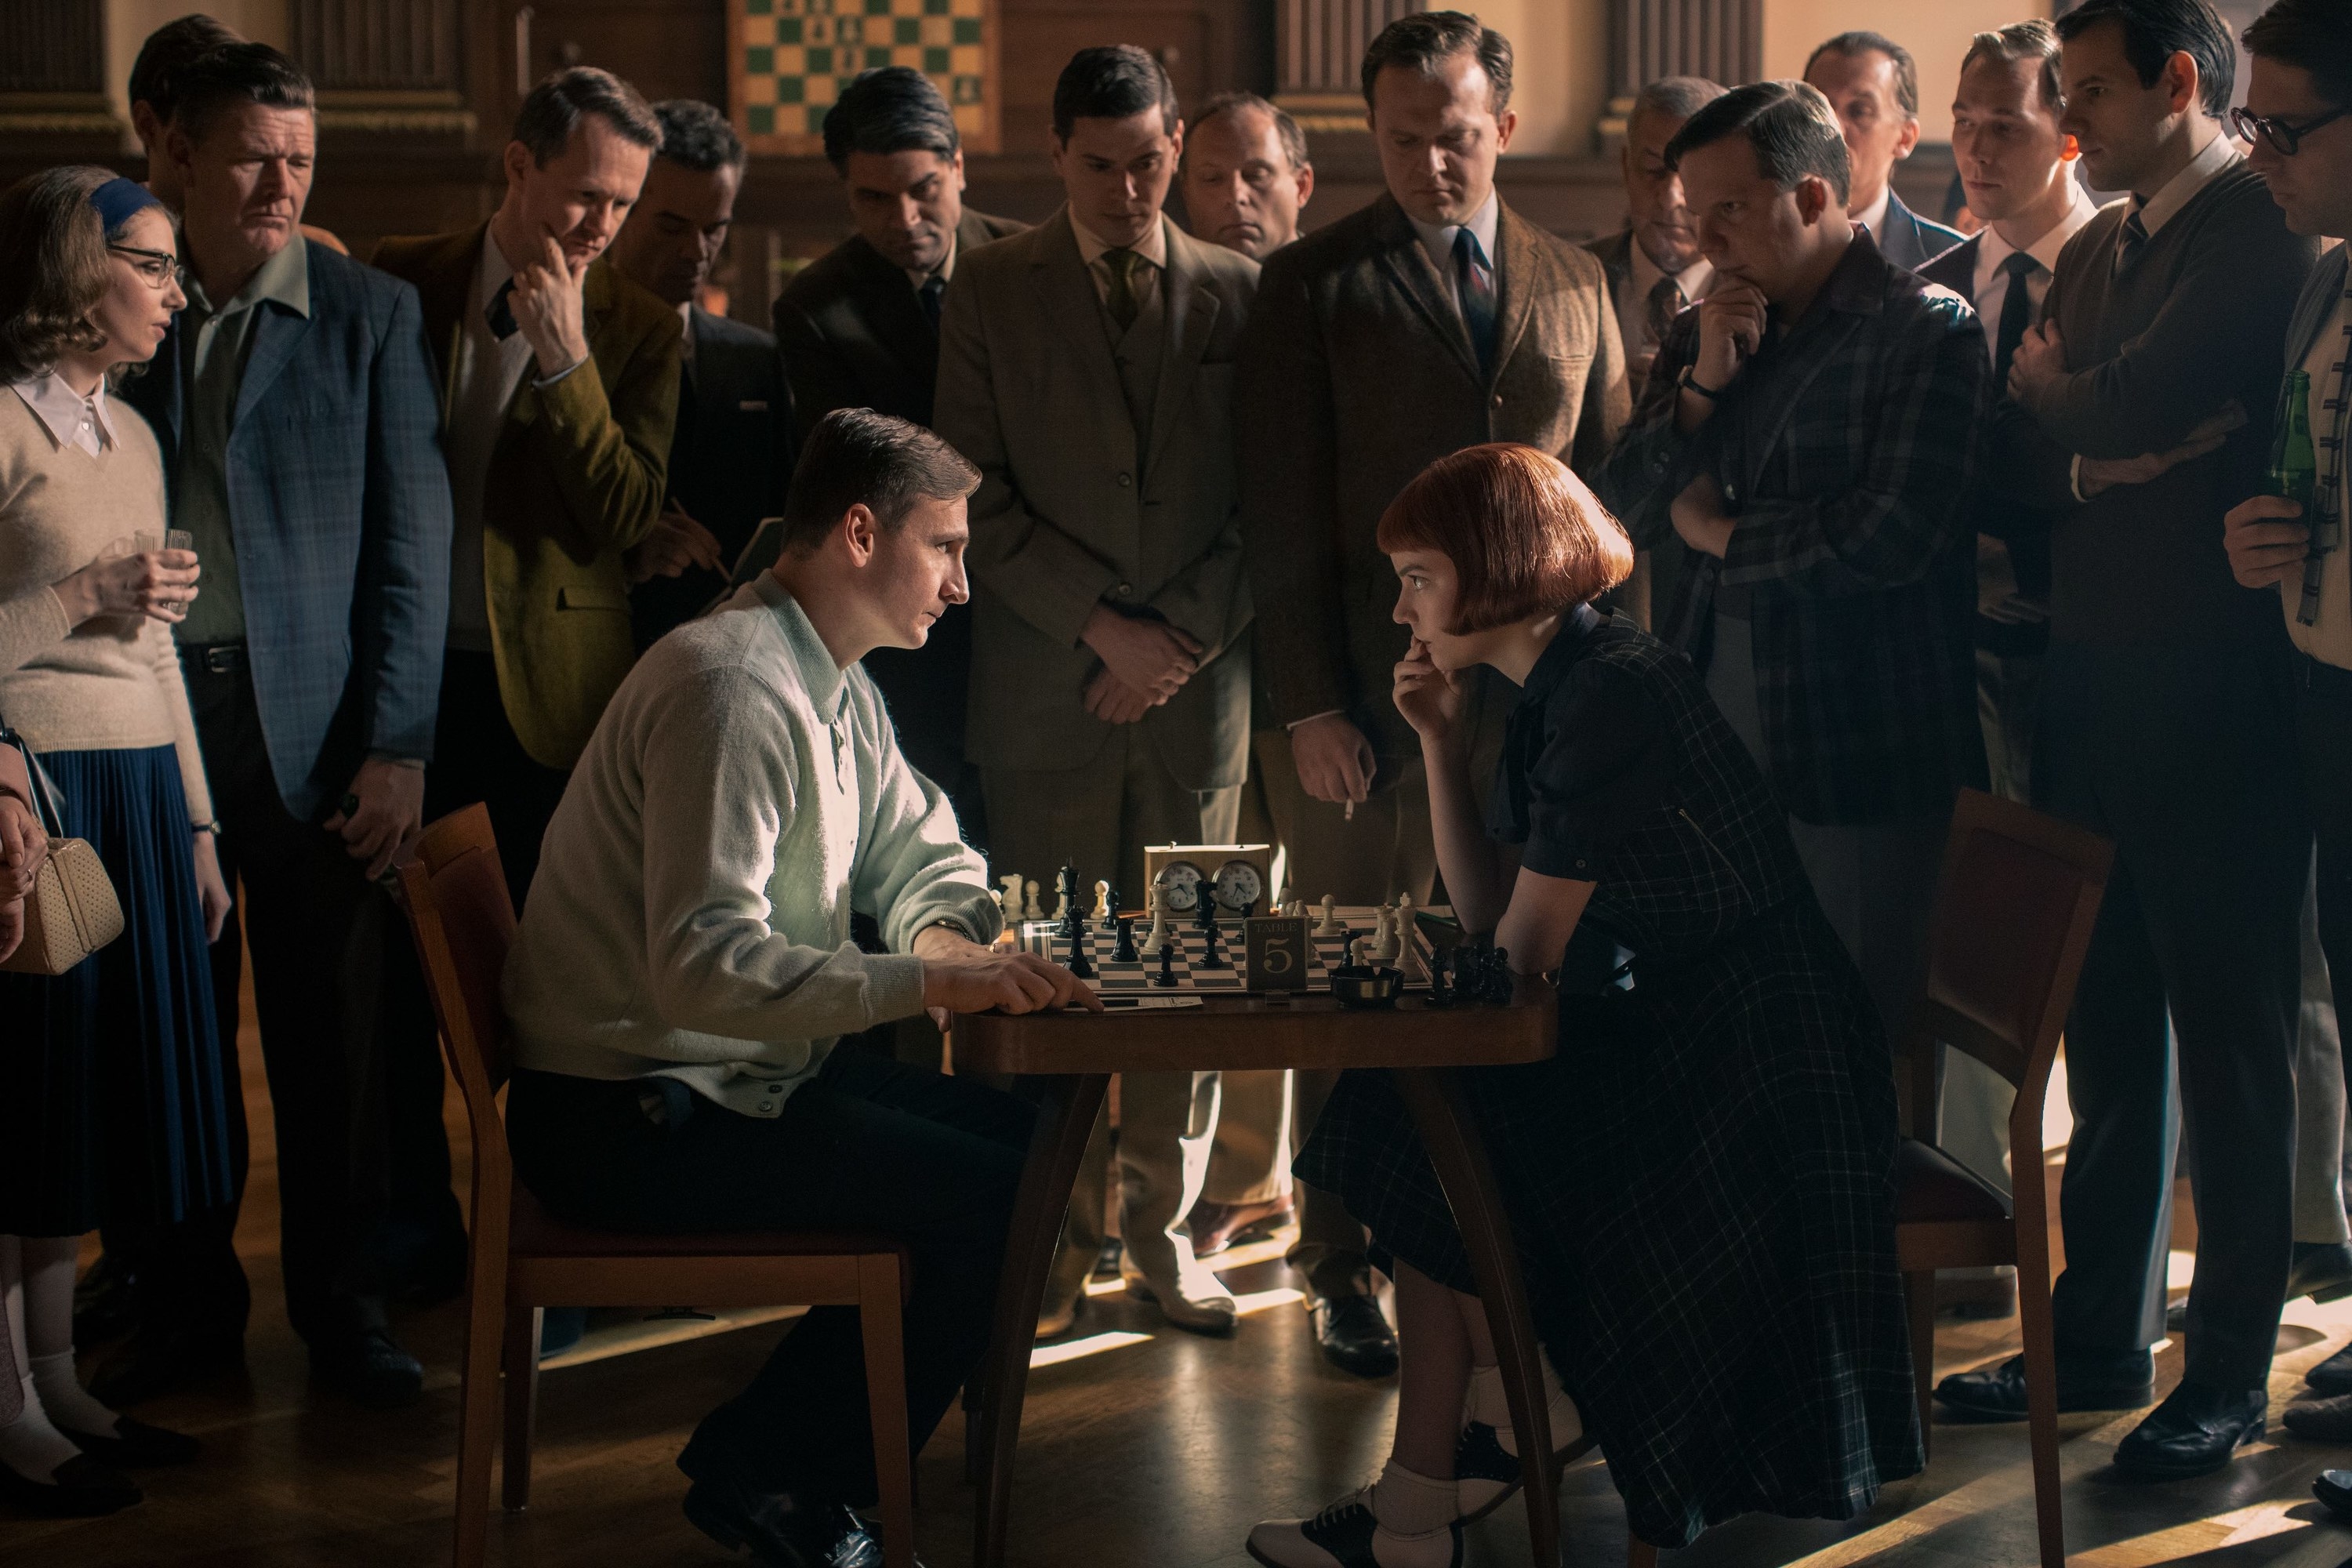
1526 537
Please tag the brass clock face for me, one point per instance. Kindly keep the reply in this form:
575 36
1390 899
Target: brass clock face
1237 886
1180 885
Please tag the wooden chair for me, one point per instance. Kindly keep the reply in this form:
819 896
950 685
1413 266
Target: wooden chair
521 1259
2018 895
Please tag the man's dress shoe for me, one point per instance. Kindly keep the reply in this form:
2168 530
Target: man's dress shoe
368 1368
780 1529
1354 1334
2333 1487
1998 1392
1214 1315
2193 1432
81 1488
2333 1375
2326 1420
2321 1270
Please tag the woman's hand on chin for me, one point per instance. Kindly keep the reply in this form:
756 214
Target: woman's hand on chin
1427 696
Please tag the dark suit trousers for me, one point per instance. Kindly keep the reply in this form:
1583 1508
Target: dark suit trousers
2324 732
317 928
476 757
2185 758
868 1145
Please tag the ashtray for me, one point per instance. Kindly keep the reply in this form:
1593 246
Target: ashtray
1367 987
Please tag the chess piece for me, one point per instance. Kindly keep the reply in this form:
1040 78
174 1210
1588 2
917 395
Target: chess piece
1123 950
1166 979
1065 893
1160 935
1082 964
1404 921
1012 899
1441 989
1102 911
1032 909
1384 935
1204 910
1330 924
1214 955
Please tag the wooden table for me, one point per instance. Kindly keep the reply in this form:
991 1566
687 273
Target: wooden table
1075 1053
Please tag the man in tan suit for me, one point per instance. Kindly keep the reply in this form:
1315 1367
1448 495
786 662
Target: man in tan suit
560 393
1086 369
1432 319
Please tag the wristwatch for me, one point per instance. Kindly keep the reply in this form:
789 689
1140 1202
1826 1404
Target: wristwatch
1690 382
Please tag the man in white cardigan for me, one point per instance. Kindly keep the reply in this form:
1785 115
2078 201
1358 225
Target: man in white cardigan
684 969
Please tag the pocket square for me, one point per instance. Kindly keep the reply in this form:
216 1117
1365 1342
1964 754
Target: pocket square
752 405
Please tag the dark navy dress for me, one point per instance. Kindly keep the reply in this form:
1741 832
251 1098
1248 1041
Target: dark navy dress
1701 1181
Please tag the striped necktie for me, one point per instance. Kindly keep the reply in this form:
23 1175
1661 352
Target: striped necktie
1473 279
2132 240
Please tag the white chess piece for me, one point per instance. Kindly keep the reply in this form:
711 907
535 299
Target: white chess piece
1034 911
1061 903
1102 902
1330 924
1011 899
1156 938
1384 934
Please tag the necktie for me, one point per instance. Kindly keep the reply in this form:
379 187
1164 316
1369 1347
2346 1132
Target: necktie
1473 277
2133 238
501 312
934 294
1120 297
2016 306
1666 302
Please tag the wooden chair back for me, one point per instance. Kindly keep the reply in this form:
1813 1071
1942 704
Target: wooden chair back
2019 895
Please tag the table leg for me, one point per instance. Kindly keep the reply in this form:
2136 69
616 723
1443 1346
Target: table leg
1459 1158
1066 1120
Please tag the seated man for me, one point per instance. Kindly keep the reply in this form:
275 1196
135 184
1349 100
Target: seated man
684 967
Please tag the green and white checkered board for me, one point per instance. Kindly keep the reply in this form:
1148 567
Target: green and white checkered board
793 57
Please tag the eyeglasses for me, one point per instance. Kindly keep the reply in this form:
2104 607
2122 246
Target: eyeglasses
161 269
2283 135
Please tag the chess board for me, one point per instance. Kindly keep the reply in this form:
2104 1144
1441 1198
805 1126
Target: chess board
791 58
1045 938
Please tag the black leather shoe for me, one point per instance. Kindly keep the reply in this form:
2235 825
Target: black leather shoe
781 1531
1998 1392
367 1368
2333 1487
2328 1420
82 1489
161 1361
2193 1432
2321 1270
1354 1334
135 1445
2333 1375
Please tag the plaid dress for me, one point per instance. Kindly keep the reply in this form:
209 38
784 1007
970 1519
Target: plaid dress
1700 1182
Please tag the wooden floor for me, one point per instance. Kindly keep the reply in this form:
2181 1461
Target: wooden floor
1156 1449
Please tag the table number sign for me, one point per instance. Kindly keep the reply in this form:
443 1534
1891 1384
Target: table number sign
1277 953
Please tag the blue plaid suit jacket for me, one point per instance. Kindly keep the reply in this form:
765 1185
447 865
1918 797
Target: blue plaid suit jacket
338 503
1847 450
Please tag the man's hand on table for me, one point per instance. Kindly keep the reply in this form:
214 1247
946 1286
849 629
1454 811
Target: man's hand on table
961 976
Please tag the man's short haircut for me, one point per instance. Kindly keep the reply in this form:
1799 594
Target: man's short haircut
1424 41
555 108
220 79
891 108
1673 98
1524 535
169 51
2155 30
1112 81
1862 42
1790 126
1285 130
857 454
2032 40
2315 35
696 136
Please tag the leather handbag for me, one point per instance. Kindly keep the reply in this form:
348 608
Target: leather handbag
71 911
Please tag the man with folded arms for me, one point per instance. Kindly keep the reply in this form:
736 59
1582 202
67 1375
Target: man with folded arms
684 968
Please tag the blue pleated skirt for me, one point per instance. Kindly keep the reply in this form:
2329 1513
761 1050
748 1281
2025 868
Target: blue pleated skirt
113 1097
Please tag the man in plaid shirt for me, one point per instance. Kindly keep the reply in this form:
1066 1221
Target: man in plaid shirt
1809 431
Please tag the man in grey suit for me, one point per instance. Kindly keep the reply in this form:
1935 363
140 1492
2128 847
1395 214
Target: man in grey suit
1873 83
296 406
730 456
1086 369
860 329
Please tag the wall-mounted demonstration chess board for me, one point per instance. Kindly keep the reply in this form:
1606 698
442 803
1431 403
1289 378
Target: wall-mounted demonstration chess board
1192 975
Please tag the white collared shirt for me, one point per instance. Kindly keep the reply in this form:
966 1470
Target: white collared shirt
1634 304
2178 192
1874 219
1153 247
72 419
1438 240
1989 290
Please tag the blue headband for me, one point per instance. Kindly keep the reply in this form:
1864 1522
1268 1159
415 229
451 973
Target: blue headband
119 200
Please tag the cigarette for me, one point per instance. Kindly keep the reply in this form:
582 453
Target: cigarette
1350 815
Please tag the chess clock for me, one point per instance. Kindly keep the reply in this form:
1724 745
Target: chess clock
1186 873
1238 886
1179 882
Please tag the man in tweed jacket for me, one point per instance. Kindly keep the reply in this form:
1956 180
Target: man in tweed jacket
1809 433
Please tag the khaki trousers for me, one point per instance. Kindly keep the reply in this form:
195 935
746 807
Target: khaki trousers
1097 817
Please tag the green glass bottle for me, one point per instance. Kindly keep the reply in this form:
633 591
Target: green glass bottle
2293 470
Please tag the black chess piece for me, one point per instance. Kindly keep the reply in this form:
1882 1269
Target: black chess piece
1111 911
1123 950
1204 910
1082 964
1441 988
1073 908
1166 978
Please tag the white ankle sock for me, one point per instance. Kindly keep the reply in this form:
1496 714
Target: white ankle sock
1487 1402
1406 1503
67 1402
30 1446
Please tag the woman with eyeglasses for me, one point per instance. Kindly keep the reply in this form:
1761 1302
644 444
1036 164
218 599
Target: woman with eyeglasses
113 1104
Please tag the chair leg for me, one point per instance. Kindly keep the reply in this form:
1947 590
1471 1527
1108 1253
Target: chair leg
878 1321
477 1421
973 1428
1919 1296
523 1403
2041 1345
